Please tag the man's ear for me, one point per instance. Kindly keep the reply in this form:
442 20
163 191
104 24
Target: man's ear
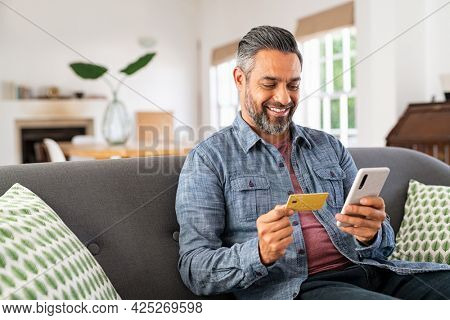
239 78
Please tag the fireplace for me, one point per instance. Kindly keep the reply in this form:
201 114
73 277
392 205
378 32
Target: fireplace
31 134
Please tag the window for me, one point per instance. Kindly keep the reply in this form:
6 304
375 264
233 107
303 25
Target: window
224 94
328 94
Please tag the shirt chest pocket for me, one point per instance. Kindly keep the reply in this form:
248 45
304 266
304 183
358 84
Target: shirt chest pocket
250 197
331 179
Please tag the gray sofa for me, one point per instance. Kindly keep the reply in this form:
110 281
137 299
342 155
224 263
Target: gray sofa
124 210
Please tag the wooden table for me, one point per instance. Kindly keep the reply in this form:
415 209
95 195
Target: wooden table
100 151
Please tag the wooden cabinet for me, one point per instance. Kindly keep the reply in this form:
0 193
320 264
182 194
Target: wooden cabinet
424 127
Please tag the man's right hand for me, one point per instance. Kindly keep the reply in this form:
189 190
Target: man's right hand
274 234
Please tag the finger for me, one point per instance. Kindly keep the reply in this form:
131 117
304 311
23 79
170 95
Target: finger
284 243
367 212
358 222
365 233
280 224
375 202
277 213
283 233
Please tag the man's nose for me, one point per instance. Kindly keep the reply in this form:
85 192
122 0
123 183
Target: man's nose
282 95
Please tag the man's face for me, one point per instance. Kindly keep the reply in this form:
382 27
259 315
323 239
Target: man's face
269 96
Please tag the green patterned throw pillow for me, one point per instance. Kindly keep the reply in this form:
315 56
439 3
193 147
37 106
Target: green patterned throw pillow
40 258
424 234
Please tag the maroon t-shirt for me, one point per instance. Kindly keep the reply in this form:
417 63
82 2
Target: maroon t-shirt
321 253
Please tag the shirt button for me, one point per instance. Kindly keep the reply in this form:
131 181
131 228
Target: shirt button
294 294
332 173
290 192
295 223
301 251
281 165
250 184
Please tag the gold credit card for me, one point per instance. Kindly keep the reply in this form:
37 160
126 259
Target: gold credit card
306 201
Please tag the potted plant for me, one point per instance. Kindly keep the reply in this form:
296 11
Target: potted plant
116 126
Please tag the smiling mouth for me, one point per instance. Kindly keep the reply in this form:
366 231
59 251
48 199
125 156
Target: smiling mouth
279 111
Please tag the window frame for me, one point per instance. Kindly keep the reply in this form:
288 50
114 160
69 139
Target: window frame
315 88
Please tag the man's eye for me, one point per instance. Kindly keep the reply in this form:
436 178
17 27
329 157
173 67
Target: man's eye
294 88
269 85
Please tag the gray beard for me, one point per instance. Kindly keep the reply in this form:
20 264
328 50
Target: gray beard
262 120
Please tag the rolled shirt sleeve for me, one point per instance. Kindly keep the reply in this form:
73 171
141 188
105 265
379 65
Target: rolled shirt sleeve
207 267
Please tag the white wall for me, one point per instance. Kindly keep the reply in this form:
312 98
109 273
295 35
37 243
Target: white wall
407 69
437 47
107 33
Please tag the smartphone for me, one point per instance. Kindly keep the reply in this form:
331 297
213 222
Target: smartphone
368 183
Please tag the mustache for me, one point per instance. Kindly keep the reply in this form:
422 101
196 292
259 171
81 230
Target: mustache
279 105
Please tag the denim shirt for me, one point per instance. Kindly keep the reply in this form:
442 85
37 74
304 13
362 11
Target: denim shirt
233 177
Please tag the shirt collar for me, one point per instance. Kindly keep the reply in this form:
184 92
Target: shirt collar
248 138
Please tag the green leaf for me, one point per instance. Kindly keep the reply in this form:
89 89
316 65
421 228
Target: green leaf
50 257
435 246
12 254
2 261
87 287
29 294
74 269
65 295
30 266
5 279
40 261
51 281
25 211
88 70
28 244
38 242
418 257
81 291
138 64
67 272
6 233
40 286
21 248
74 294
19 274
56 253
432 234
60 277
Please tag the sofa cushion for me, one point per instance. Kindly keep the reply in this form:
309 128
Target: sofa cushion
424 234
40 258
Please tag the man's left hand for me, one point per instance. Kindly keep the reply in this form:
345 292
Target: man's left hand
370 215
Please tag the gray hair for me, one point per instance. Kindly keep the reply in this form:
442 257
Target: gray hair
264 37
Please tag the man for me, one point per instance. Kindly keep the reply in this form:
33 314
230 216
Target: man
236 236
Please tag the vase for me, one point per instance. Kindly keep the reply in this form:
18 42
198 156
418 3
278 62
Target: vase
116 125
